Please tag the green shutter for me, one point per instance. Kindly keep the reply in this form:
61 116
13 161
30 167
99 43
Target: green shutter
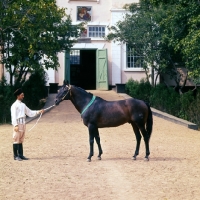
102 70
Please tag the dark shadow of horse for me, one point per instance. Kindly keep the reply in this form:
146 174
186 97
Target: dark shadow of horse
99 113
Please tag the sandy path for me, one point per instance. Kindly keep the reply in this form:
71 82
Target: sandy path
58 148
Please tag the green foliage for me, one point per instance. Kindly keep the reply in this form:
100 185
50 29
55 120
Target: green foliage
139 90
31 35
35 90
140 30
6 100
193 111
181 25
165 99
167 32
186 100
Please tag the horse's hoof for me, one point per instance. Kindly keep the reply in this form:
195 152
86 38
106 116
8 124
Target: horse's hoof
146 159
99 157
134 157
88 160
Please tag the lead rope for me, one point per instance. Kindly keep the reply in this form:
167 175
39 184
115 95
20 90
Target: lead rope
49 108
40 117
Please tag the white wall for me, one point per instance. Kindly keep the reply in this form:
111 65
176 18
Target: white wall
116 52
118 4
103 13
120 74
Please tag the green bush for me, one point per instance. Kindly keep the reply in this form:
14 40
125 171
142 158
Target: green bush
139 90
35 90
193 110
6 100
186 100
165 99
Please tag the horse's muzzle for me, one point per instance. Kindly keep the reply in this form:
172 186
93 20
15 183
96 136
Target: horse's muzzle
57 102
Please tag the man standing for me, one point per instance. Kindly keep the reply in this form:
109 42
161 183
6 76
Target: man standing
18 115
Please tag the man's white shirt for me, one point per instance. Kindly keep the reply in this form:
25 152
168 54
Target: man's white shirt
20 110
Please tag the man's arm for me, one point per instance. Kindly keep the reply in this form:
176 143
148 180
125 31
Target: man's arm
14 115
14 118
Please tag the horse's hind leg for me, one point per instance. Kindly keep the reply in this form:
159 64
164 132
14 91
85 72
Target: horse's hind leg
97 138
146 140
138 139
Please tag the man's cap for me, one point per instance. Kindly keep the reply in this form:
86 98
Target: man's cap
18 92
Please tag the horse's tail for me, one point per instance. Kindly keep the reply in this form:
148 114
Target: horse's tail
149 124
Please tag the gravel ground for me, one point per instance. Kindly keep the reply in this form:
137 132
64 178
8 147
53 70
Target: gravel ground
58 169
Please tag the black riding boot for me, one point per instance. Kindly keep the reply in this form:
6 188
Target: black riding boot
21 152
15 152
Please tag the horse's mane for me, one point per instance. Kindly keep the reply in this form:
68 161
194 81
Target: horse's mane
82 90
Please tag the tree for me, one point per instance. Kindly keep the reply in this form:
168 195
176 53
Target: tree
167 32
140 31
182 24
31 35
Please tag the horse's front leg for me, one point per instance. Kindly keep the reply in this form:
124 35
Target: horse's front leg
91 142
97 138
91 129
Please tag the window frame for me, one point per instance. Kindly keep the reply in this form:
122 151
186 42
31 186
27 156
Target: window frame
75 57
94 31
126 68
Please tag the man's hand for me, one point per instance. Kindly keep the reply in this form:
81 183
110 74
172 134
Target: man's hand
41 111
16 129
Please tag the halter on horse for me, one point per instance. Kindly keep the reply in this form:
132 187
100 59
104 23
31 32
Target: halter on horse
99 113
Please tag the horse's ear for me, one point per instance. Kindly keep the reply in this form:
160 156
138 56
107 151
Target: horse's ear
65 82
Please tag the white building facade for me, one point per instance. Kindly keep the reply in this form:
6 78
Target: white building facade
93 62
103 13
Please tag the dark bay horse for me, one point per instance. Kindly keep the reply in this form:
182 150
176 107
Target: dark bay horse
99 113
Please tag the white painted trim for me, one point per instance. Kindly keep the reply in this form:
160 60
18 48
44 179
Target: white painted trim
134 70
93 23
118 10
64 61
88 46
116 62
98 23
96 38
86 0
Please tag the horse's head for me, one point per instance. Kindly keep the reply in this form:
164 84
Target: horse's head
63 93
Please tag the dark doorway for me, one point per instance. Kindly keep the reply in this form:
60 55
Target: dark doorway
83 69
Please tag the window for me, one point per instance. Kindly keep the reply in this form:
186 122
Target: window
134 58
96 31
75 57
